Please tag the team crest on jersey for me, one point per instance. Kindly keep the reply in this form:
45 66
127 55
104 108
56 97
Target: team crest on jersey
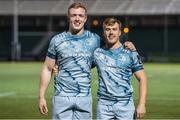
89 42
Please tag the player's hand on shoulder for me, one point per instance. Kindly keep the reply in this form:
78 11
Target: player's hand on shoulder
130 46
55 70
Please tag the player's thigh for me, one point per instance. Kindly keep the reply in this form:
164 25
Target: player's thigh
104 112
62 108
124 111
83 109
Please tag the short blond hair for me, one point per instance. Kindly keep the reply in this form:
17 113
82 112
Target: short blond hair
77 5
110 22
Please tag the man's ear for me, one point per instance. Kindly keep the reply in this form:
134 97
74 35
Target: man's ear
119 33
86 18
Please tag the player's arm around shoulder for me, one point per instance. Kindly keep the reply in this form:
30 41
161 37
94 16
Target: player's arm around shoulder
44 82
130 46
141 107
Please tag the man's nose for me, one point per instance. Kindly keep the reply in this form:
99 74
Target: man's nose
77 17
111 32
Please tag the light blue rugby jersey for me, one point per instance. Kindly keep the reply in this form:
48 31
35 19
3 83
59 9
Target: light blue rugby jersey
74 57
115 69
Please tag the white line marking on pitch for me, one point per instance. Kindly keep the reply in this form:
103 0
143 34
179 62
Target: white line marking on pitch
5 94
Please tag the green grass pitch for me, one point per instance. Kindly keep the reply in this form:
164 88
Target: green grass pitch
19 90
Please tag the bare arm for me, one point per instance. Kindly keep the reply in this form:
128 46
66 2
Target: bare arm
141 108
44 82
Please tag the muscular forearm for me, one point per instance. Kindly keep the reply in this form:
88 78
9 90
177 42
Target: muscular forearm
44 81
141 76
142 91
141 107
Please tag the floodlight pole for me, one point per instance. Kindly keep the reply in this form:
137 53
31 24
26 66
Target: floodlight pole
165 47
15 50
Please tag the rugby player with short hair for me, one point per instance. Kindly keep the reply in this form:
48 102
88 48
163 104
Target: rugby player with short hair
116 66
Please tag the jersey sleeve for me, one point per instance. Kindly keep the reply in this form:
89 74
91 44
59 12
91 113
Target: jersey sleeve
98 39
94 59
136 62
51 53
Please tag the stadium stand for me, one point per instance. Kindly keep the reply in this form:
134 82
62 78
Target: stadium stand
150 21
95 7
